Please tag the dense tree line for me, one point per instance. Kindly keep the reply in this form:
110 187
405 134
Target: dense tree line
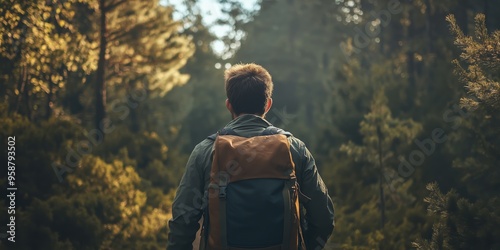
397 100
80 82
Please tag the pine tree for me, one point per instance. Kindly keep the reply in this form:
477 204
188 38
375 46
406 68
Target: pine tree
461 224
481 55
470 219
478 69
384 138
381 135
142 50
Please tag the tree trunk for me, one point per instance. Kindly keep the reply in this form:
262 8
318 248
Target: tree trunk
411 91
381 177
100 87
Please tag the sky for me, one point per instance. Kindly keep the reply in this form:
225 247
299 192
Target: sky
211 11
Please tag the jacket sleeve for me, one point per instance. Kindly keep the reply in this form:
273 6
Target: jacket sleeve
319 209
187 207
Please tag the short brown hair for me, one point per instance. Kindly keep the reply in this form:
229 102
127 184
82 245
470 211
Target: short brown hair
248 86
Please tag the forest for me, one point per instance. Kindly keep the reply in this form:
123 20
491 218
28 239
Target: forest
102 102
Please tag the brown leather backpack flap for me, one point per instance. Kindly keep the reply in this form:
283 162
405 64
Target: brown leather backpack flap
256 157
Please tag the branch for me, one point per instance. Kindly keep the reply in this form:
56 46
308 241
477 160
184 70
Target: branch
113 6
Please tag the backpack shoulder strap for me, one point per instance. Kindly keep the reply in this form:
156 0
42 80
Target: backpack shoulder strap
212 136
272 130
223 131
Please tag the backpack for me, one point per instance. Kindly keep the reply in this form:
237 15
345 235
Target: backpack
253 194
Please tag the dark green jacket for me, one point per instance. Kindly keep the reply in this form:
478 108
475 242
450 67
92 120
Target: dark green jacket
190 199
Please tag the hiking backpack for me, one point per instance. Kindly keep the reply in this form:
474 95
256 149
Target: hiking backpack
253 194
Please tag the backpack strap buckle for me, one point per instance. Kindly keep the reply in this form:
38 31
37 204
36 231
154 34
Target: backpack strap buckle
223 181
222 192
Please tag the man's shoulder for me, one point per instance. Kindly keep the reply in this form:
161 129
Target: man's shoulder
205 144
202 149
296 144
296 140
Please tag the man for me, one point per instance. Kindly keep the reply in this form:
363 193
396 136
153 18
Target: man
249 88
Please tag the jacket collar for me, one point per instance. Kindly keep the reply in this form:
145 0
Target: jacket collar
248 120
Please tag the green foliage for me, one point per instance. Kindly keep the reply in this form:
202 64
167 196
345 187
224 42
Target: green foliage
37 147
113 193
481 54
41 45
152 158
461 224
383 139
381 134
100 207
482 125
145 47
469 220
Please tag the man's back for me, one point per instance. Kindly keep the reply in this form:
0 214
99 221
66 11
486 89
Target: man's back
189 204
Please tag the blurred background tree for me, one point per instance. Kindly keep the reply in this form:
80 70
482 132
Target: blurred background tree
107 98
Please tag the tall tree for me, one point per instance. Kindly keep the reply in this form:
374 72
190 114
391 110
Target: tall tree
384 141
381 135
100 86
469 220
142 50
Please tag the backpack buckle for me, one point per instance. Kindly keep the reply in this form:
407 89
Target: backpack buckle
223 181
222 192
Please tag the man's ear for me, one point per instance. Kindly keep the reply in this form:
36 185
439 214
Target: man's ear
269 104
229 107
